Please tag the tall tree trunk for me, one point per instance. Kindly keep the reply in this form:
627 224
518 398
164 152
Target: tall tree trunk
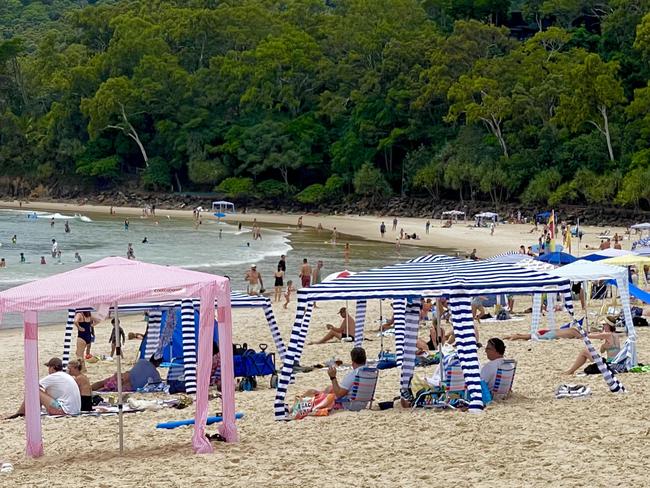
608 138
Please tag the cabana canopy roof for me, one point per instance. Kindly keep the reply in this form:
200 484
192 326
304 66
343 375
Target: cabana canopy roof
643 226
586 271
606 253
453 212
434 276
105 282
511 257
487 215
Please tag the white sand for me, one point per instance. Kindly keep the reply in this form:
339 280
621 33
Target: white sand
531 439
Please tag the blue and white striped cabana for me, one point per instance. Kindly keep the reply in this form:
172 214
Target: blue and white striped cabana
152 339
427 276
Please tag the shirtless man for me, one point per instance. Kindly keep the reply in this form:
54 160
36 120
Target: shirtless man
74 370
254 279
305 273
346 329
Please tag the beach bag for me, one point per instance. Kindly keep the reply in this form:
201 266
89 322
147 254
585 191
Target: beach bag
503 314
636 311
639 322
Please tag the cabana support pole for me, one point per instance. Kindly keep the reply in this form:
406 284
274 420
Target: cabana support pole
33 430
118 362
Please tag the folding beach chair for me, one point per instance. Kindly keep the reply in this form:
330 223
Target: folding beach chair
504 379
363 390
454 378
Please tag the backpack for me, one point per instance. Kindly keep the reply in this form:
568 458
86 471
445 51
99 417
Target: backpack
503 314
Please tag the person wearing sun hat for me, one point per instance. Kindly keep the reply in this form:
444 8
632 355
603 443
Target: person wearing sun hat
59 392
610 345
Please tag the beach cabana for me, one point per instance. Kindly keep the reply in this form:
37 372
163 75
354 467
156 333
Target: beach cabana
487 215
453 214
606 254
108 283
511 257
583 271
156 312
643 226
557 258
223 207
405 283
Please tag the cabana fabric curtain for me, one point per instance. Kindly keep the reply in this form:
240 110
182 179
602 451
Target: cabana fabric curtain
152 338
427 276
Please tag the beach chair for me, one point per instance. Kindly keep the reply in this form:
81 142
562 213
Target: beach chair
504 379
363 390
454 378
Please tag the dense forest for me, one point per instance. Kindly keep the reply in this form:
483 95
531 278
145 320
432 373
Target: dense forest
545 101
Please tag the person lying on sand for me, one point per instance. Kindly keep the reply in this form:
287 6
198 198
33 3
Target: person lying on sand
547 335
59 393
143 372
610 346
346 330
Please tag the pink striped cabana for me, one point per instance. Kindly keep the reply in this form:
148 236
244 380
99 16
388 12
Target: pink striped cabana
113 281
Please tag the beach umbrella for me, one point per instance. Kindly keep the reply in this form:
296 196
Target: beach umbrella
558 258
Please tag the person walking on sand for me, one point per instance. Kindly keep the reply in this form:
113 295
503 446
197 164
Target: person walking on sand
279 284
300 222
394 224
287 295
492 226
305 273
427 225
382 229
254 279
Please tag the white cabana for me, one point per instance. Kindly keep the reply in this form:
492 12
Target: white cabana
512 257
453 213
222 206
606 253
643 226
582 271
487 215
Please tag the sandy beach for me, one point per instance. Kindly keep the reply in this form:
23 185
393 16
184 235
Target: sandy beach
531 439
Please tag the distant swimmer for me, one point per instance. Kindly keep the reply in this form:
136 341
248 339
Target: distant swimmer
220 231
145 240
239 226
55 247
126 224
334 235
77 257
3 263
66 227
130 254
43 260
14 240
58 256
248 244
22 258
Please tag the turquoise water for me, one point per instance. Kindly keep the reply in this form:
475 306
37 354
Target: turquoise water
213 247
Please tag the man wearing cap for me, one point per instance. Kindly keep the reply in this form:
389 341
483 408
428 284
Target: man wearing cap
254 279
59 392
345 331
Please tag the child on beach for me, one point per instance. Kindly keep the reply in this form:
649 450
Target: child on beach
287 295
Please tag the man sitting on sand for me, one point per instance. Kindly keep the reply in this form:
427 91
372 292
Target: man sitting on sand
547 335
74 369
346 330
340 389
59 393
494 350
143 372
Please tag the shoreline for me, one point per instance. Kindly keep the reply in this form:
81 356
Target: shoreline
461 238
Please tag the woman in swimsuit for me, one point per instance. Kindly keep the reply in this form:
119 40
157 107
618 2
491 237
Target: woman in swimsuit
610 346
279 283
84 322
547 335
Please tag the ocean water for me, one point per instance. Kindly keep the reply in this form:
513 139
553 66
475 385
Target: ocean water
213 247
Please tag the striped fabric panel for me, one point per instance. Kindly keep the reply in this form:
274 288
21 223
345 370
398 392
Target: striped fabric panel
67 339
286 373
153 333
189 345
275 330
624 292
463 323
399 316
303 331
410 338
359 322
